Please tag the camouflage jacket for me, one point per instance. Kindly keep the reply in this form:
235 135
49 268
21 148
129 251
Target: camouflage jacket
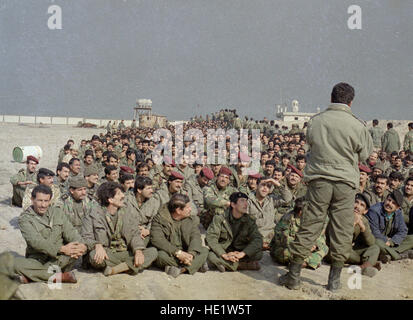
215 200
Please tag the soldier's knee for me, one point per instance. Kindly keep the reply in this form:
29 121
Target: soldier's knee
151 253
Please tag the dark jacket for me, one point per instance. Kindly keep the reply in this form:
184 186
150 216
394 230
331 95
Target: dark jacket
377 220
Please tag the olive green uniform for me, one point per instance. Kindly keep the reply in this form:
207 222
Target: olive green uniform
265 213
195 192
332 175
363 247
376 135
120 237
76 210
45 235
215 201
227 234
56 200
8 285
408 141
169 236
390 141
18 191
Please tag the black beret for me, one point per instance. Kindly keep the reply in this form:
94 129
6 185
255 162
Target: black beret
237 195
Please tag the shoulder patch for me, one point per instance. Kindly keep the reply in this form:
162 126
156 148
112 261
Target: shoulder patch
65 196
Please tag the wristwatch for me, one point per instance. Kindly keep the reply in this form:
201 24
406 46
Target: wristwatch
177 253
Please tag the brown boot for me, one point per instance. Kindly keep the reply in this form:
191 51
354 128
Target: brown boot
367 269
65 277
378 265
251 265
110 271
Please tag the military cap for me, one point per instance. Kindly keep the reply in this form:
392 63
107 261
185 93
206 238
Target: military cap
207 173
175 175
295 170
77 182
363 198
127 169
364 168
31 158
225 170
89 170
46 172
169 161
237 195
244 157
397 196
255 175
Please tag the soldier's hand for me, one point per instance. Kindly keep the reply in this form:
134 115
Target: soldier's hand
239 255
100 254
139 258
313 248
144 233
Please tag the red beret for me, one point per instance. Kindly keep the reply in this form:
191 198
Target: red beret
127 169
255 175
244 157
176 175
31 158
225 170
207 173
364 168
169 161
295 170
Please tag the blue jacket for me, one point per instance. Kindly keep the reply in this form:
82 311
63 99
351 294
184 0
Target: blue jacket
377 220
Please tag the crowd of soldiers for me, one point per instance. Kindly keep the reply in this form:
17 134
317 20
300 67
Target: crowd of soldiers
108 206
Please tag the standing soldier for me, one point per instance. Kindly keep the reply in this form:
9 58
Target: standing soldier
133 125
376 134
390 141
22 179
234 239
337 139
109 127
408 139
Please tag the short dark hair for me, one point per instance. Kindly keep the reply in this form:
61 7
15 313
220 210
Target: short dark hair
375 122
410 125
300 157
112 155
125 177
41 188
66 147
389 125
383 176
109 169
395 175
270 162
342 93
88 153
62 165
177 201
141 182
73 160
106 191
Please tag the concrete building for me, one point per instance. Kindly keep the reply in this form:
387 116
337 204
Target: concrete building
294 115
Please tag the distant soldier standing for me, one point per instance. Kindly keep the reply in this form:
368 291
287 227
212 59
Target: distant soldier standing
376 133
338 142
408 139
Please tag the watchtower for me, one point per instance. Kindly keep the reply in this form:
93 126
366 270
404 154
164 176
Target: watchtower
143 108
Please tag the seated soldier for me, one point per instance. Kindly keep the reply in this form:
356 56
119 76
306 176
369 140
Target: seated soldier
285 233
91 174
388 227
263 207
113 237
22 179
176 234
143 205
44 177
234 238
364 250
76 204
62 175
51 241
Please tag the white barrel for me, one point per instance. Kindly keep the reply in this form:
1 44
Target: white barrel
20 154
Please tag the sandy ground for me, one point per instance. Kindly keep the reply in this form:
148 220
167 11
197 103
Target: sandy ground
395 281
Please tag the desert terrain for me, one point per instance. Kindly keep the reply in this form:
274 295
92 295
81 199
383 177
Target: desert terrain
394 281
